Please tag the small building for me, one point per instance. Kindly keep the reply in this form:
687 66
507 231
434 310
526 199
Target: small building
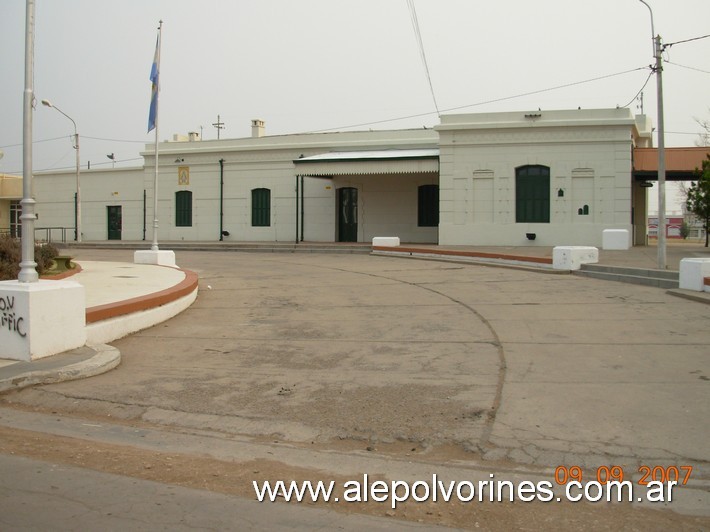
509 179
10 209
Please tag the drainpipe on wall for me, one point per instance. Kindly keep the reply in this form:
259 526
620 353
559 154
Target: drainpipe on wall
302 207
296 238
144 212
221 200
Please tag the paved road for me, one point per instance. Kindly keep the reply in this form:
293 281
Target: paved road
428 360
41 496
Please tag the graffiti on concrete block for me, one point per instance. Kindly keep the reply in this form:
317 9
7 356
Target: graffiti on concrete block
8 319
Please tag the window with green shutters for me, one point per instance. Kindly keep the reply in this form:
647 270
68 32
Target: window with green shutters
428 206
183 208
260 207
532 194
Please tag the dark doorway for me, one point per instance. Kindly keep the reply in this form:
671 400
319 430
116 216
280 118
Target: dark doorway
114 222
347 214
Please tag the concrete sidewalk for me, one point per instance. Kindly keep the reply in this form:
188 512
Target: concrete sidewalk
118 295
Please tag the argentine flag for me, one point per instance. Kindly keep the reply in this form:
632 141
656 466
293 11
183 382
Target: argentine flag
154 75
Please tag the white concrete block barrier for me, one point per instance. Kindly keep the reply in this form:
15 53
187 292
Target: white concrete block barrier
693 272
616 239
163 257
385 241
572 257
41 319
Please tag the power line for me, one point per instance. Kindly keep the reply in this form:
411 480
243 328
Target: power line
688 67
566 85
641 90
418 35
37 141
114 140
686 40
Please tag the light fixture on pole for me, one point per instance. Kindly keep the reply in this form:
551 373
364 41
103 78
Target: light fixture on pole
77 233
658 68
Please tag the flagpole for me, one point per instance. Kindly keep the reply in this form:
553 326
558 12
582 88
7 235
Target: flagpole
154 246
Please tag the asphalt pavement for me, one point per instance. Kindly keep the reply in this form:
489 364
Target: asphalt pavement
574 371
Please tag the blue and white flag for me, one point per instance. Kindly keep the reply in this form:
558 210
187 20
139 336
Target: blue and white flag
154 78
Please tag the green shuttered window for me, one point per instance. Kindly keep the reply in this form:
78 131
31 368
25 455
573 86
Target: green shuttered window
428 211
183 208
532 194
260 207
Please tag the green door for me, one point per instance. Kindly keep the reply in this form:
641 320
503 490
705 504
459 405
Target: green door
114 222
347 214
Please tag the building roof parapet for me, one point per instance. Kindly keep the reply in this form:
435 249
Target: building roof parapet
539 118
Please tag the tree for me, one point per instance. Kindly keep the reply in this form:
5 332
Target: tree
698 198
684 230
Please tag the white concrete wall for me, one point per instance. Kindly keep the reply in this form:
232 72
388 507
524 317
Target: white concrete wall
54 193
388 206
589 156
588 153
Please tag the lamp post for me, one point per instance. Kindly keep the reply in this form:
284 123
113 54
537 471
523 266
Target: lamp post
657 53
28 272
77 234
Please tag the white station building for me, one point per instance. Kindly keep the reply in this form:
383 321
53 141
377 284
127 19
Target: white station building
505 179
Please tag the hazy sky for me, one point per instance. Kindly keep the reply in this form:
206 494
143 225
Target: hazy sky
310 65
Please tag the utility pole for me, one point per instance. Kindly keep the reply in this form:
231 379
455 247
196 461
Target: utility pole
661 158
658 69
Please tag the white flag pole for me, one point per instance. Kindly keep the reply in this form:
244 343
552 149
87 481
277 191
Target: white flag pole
154 246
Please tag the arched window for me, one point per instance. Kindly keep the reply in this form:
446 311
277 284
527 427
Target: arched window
183 208
428 206
260 207
532 194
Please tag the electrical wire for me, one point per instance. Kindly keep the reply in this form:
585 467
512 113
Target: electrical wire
34 142
115 140
540 91
418 35
641 89
689 68
685 41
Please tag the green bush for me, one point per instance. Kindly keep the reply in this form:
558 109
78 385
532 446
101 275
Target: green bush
11 255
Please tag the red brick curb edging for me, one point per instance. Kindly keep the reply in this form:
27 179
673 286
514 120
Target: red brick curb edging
136 304
454 253
59 276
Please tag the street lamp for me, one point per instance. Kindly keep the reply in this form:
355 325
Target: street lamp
77 234
657 52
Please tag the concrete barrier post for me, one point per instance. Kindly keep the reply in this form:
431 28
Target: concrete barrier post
693 272
41 319
572 257
385 241
163 257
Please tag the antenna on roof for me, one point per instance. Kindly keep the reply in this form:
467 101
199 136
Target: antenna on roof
219 125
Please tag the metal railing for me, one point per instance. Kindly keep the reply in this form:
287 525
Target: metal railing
51 234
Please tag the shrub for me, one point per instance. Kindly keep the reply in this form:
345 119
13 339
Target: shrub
11 255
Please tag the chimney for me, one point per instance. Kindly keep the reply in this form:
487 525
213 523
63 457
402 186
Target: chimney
193 136
257 128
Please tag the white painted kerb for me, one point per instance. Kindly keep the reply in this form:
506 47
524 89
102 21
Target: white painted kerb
693 272
572 257
163 257
386 241
41 319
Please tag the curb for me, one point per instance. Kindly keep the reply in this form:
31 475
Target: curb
103 359
691 295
